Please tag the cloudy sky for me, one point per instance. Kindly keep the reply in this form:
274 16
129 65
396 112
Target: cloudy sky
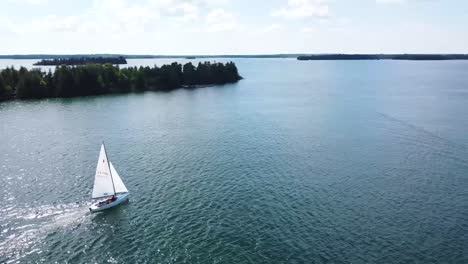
233 26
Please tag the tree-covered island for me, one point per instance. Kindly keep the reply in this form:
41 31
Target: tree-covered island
97 79
82 61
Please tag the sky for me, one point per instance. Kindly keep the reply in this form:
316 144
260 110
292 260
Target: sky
181 27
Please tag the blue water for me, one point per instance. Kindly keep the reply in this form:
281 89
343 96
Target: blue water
300 162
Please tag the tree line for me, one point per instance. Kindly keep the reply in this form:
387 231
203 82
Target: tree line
82 61
96 79
384 57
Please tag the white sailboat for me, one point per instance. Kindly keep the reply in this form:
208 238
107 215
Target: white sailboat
107 184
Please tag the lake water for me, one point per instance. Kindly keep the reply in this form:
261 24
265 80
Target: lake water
300 162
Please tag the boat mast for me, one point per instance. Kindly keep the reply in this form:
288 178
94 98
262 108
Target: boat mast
108 164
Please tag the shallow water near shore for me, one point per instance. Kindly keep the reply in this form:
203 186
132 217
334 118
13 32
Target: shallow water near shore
300 162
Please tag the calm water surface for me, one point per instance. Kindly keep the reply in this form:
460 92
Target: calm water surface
300 162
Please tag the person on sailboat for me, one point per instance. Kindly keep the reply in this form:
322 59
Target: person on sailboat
110 200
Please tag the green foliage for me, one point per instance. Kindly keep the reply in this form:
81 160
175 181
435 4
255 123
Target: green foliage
190 76
10 77
3 87
95 79
64 82
31 85
82 61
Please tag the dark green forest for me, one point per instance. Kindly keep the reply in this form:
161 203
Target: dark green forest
82 61
96 79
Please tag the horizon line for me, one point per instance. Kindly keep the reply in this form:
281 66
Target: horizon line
217 55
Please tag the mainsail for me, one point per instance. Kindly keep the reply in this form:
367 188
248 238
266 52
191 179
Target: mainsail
103 185
118 183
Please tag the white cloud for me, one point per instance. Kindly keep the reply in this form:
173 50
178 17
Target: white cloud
212 26
273 28
185 11
31 2
214 2
328 25
125 16
8 27
390 1
103 16
303 9
309 29
220 20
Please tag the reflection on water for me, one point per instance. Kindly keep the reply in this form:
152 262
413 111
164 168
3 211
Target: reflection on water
25 229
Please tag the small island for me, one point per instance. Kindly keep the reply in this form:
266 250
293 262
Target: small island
81 61
96 79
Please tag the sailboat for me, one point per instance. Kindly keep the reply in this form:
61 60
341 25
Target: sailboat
107 184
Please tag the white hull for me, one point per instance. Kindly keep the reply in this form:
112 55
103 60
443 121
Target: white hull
121 198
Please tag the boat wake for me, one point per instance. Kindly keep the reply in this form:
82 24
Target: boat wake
24 229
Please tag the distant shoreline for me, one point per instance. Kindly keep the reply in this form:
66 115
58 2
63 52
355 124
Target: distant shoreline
299 56
415 57
130 56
